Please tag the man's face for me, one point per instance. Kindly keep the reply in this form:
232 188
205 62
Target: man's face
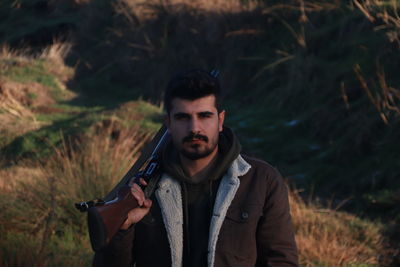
195 126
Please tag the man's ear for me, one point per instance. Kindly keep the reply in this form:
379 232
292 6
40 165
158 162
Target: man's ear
221 118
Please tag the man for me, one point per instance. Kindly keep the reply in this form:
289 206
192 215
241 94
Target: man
213 206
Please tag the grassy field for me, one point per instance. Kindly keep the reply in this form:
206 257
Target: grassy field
310 86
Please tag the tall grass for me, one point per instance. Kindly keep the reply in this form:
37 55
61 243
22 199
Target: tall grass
327 237
383 95
38 214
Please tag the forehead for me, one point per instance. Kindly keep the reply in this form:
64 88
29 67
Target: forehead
206 103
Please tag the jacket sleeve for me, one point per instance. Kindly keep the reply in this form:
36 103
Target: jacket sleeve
276 244
119 252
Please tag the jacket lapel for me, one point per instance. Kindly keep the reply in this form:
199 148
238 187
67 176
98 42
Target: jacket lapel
226 192
169 197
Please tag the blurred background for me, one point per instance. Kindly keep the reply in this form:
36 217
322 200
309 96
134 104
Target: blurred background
311 86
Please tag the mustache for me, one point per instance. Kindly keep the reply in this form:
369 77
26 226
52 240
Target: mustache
194 136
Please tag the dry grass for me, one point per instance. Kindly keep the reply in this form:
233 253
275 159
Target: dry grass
17 104
145 9
17 96
331 238
97 162
11 96
29 83
384 97
16 116
10 177
39 205
54 56
57 51
7 52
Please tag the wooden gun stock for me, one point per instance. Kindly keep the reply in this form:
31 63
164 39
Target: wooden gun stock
105 220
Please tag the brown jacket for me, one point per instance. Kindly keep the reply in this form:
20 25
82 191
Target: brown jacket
250 226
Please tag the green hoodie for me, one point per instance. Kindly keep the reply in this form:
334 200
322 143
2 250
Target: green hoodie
198 196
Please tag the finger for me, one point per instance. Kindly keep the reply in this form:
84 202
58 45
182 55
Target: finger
136 187
139 198
143 181
138 194
136 215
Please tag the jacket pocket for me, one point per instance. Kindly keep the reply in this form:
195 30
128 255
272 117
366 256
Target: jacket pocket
238 232
244 214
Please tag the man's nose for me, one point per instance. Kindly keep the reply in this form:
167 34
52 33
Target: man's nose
194 125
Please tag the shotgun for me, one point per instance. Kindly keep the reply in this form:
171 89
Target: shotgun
106 216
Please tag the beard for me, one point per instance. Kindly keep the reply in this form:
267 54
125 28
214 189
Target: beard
197 151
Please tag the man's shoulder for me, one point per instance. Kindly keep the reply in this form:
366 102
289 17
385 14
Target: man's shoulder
262 176
259 163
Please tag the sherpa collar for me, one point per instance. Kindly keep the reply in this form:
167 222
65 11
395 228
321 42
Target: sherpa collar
169 197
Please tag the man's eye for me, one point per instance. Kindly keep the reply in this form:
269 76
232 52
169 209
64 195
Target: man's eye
205 115
181 117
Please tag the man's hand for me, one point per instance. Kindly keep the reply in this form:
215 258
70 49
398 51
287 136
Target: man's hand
136 214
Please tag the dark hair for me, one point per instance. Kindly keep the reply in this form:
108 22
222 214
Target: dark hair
192 85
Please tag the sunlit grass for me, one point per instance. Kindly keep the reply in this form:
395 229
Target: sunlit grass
326 237
39 205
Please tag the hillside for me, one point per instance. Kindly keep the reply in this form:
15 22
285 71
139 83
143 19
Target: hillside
310 86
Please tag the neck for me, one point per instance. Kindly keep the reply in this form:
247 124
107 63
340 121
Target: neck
197 169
